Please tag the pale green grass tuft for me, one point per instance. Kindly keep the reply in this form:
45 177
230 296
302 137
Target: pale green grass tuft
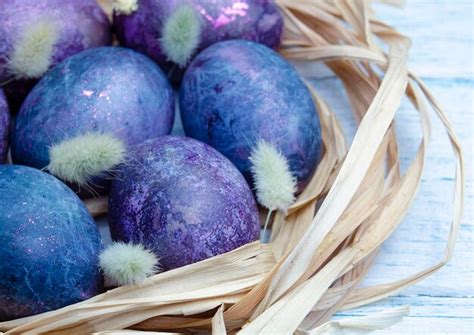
124 264
125 7
181 35
83 157
274 182
33 52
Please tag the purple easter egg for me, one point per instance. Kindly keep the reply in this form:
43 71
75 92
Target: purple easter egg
183 200
143 26
4 127
35 35
107 90
237 92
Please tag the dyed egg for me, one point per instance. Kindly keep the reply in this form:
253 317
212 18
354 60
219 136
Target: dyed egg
35 35
83 114
237 92
49 244
4 127
172 31
183 200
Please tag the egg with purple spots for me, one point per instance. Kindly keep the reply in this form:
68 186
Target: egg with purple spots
4 127
82 116
39 34
183 200
49 245
173 31
237 92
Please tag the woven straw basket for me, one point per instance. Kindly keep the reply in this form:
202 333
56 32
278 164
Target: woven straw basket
322 249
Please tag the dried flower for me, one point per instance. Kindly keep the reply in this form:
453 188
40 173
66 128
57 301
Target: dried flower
83 157
125 7
124 264
274 182
32 53
181 35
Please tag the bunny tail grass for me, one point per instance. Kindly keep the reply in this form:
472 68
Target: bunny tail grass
124 264
83 157
32 53
274 182
125 7
181 35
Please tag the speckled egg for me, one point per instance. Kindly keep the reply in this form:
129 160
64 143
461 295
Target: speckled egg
36 35
104 90
4 127
237 92
49 244
141 27
183 200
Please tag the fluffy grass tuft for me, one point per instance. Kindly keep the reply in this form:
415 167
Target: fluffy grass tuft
125 7
274 182
32 53
181 35
124 264
83 157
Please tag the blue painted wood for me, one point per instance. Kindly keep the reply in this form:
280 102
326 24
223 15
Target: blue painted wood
442 54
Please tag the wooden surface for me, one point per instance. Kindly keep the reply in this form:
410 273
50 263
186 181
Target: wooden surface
442 54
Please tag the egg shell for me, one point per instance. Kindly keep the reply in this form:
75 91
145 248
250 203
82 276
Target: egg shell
255 20
106 90
183 200
49 244
81 24
4 127
237 92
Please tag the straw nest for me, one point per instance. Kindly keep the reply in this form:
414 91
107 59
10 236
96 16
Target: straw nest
329 239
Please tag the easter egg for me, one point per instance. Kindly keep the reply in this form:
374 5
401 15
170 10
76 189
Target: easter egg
49 244
83 114
171 32
4 127
183 200
236 93
35 35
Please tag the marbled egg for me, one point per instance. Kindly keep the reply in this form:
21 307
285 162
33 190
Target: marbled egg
142 26
4 127
237 92
183 200
49 244
108 90
36 35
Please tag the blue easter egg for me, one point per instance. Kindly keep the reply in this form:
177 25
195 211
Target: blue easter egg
237 92
109 90
49 244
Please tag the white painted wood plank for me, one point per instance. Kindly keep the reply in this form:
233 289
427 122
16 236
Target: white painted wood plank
442 54
430 315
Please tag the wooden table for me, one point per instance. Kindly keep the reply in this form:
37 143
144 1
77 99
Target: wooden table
442 54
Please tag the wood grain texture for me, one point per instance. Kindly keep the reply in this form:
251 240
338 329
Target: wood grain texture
442 54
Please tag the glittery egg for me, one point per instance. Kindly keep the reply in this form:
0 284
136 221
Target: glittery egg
108 90
35 35
237 92
4 127
143 26
183 200
49 244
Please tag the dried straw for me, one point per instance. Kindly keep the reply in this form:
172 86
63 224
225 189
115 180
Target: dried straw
322 249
